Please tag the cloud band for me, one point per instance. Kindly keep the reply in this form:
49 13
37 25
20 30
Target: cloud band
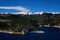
16 8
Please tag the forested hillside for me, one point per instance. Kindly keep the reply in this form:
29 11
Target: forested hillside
17 22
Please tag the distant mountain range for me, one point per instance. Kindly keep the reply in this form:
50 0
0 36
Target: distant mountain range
31 13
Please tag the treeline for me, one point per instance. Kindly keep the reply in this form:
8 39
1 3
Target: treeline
48 19
19 22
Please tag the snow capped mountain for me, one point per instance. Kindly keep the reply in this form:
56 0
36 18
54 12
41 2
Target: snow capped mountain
30 13
55 12
25 13
38 13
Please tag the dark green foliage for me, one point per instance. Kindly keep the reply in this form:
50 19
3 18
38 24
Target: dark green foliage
19 22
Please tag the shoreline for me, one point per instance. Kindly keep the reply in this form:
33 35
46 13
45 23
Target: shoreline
22 33
50 26
11 32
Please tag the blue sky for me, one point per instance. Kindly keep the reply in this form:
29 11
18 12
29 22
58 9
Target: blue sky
33 5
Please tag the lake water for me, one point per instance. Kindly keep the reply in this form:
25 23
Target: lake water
50 34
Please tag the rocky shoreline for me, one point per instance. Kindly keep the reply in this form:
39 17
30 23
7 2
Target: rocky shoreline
11 32
51 26
22 33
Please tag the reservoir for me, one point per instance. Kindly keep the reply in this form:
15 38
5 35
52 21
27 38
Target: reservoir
50 33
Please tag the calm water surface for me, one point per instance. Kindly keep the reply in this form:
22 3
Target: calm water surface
50 34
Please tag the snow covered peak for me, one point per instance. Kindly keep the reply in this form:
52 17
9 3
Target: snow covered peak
30 13
55 12
38 12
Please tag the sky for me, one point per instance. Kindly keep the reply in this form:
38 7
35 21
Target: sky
31 5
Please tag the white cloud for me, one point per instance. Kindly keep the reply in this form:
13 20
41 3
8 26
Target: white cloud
16 8
25 13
